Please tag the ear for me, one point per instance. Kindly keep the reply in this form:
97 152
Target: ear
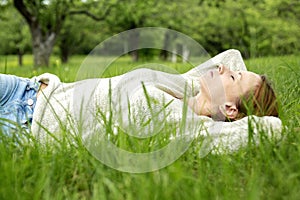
229 110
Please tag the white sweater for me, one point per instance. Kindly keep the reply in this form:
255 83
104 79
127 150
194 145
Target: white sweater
82 107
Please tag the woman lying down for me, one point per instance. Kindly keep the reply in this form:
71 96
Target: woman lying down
212 100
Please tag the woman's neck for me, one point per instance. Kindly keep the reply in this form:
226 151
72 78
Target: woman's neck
200 105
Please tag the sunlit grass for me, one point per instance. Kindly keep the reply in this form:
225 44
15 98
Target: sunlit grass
32 170
68 72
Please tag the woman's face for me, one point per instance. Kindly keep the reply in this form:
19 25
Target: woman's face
224 85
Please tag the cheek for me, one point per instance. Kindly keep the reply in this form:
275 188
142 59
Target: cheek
232 93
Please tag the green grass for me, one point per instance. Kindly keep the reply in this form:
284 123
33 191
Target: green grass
64 171
68 72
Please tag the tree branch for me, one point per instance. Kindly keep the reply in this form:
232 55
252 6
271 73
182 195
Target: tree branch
20 6
92 16
87 13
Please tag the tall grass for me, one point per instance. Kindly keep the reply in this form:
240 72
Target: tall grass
31 170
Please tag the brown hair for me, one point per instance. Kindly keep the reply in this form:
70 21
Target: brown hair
261 102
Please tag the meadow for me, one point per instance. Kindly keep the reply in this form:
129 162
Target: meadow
66 171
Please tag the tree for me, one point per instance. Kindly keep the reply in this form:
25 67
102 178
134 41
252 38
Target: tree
152 13
46 19
130 15
256 28
14 35
70 38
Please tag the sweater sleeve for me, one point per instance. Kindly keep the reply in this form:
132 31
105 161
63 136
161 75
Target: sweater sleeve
178 85
231 58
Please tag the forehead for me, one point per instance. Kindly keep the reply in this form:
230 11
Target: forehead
250 76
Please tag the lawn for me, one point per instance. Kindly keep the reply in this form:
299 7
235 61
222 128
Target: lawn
67 171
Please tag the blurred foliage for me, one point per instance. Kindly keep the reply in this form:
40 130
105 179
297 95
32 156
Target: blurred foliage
256 28
14 33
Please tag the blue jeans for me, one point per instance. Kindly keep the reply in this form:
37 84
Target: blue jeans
17 102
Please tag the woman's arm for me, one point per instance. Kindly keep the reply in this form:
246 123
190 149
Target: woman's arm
231 58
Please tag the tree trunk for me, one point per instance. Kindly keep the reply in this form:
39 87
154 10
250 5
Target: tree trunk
42 45
64 57
20 57
185 53
64 51
134 44
174 55
164 52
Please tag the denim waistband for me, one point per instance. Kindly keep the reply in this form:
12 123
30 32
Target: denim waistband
18 100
